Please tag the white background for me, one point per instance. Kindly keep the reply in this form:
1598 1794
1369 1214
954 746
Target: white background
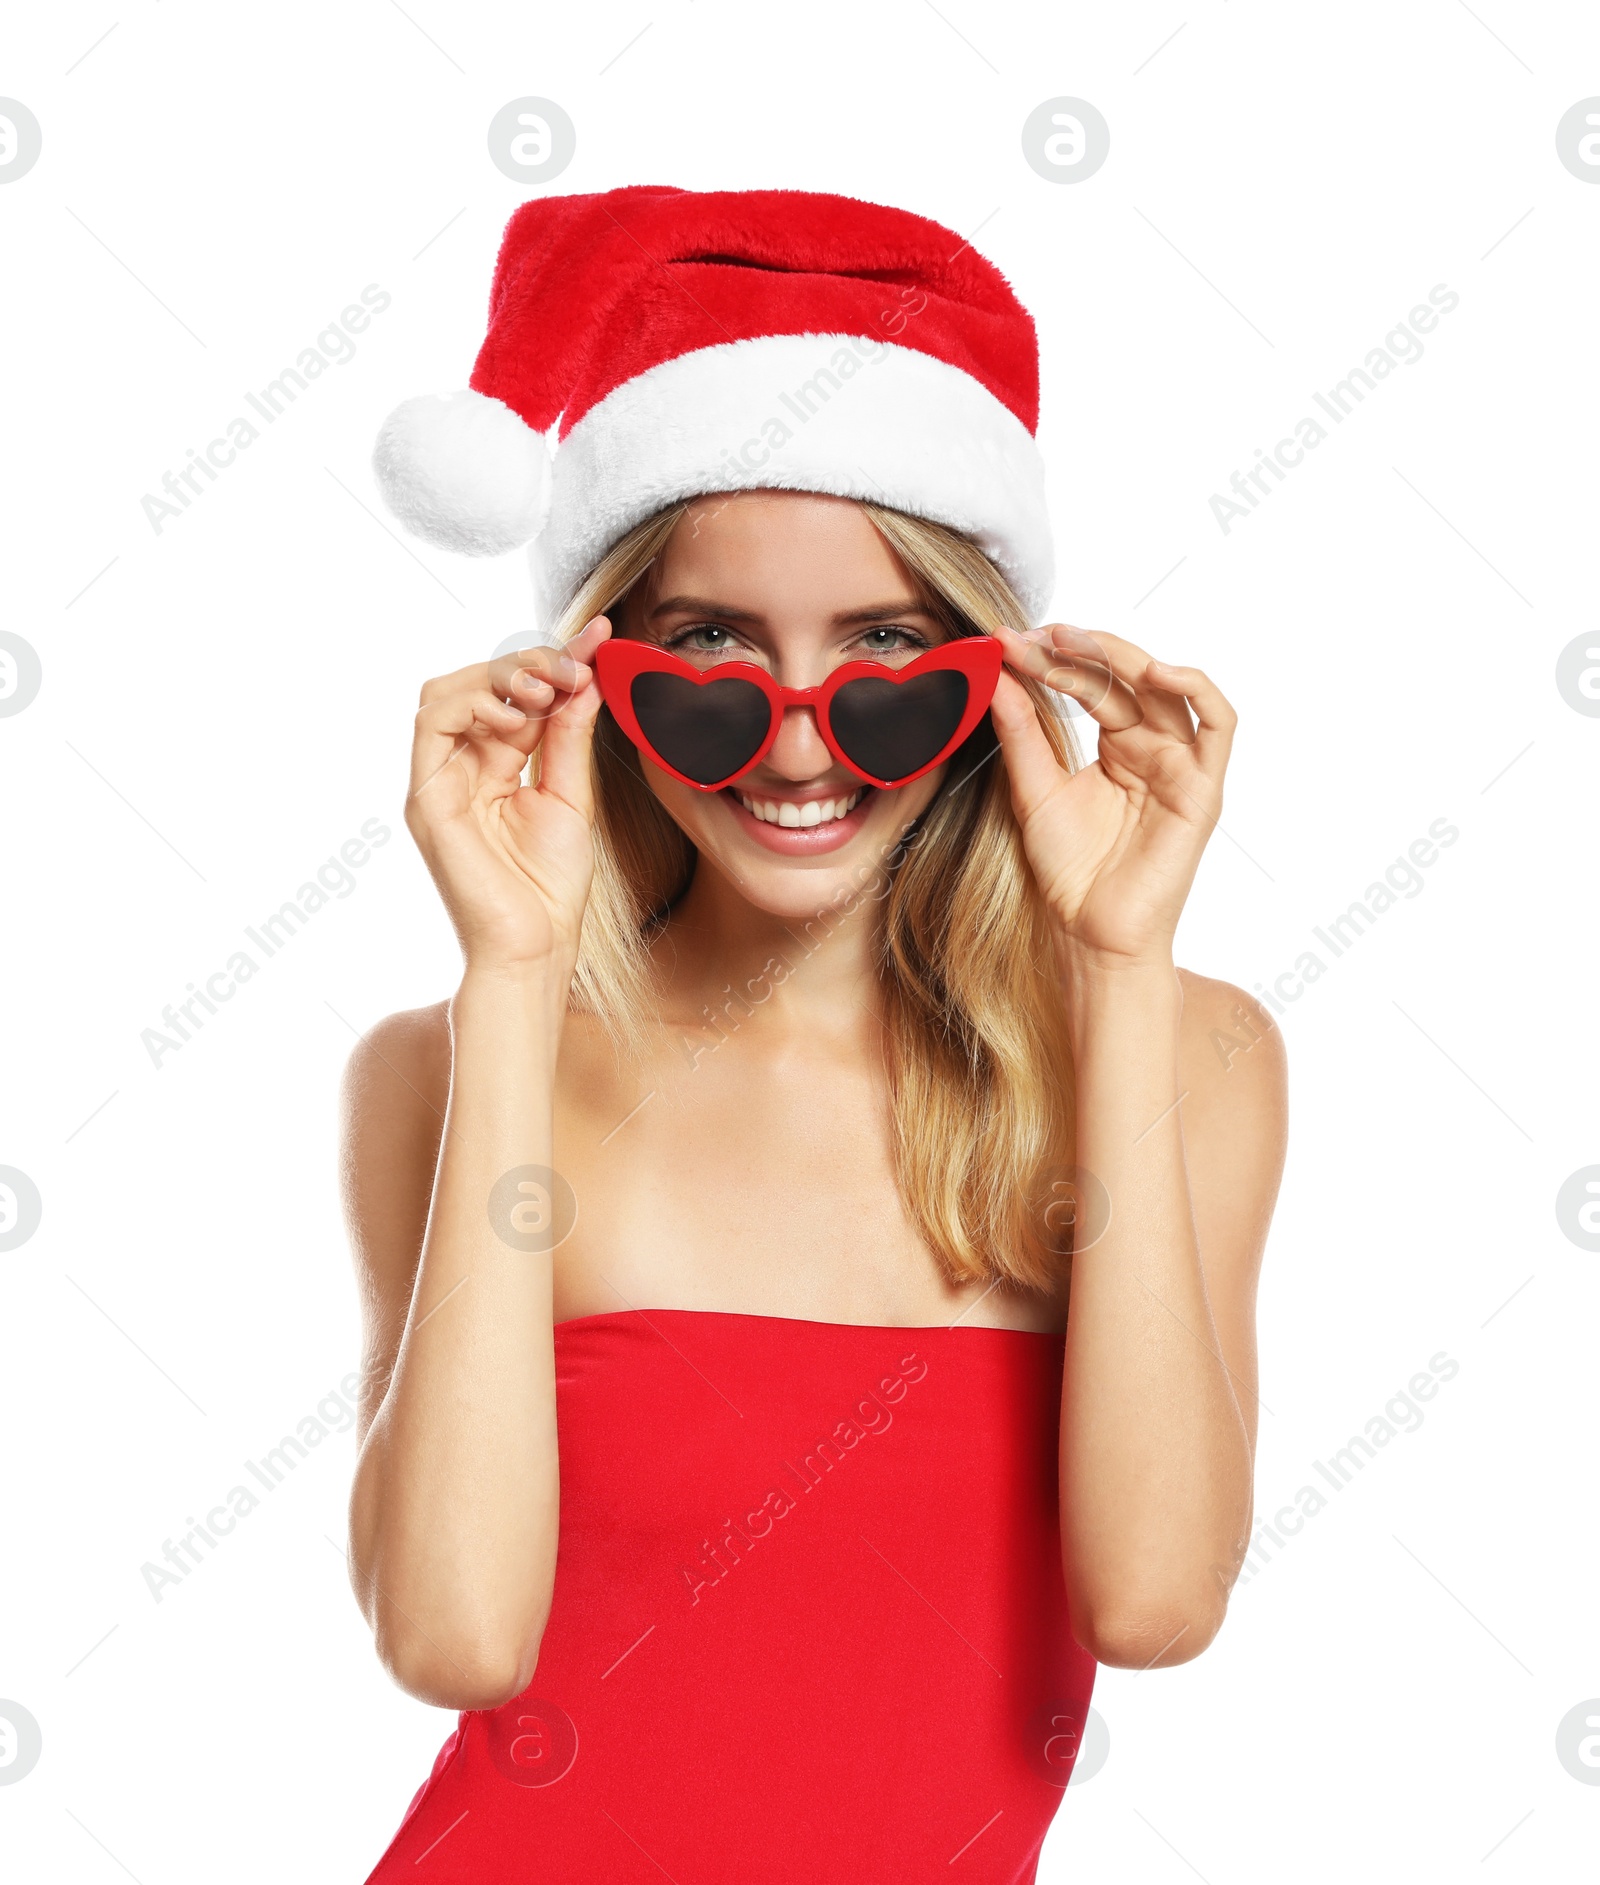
226 703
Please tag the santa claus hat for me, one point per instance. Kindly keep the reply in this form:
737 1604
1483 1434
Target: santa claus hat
651 344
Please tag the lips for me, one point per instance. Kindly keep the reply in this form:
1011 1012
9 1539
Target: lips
787 833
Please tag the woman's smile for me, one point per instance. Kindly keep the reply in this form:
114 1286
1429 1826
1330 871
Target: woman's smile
800 820
800 823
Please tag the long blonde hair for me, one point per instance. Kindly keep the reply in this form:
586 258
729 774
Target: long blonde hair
977 1058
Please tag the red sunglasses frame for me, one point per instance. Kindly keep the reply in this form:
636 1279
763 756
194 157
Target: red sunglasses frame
617 662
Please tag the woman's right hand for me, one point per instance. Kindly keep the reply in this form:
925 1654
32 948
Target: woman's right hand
511 861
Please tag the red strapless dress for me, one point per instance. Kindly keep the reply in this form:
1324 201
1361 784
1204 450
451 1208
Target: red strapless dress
809 1625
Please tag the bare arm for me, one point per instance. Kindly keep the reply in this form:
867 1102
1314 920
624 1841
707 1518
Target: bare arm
1158 1410
1159 1401
453 1514
454 1509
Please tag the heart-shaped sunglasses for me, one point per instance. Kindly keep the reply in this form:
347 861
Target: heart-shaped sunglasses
709 726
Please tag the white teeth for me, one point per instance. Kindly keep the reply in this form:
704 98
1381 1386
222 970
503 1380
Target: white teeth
787 813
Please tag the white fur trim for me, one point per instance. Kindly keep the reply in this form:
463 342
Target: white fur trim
903 428
464 471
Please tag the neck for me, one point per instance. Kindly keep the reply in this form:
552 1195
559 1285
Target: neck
720 953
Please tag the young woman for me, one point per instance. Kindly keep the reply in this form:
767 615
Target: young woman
736 1455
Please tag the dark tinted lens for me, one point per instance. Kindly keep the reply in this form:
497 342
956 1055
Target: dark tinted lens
708 733
891 729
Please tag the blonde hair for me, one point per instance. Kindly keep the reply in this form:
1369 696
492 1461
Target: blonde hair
977 1057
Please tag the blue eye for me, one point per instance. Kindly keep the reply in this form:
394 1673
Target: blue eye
897 639
685 639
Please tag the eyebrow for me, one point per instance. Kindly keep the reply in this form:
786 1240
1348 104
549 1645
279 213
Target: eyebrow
873 612
696 605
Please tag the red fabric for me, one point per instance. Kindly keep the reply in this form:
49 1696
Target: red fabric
591 290
871 1678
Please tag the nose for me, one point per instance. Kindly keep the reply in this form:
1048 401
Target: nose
799 753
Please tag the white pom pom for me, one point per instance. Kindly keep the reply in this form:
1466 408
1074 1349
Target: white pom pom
463 471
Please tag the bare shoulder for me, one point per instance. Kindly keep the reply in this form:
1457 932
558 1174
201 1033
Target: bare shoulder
1230 1048
405 1053
1234 1075
396 1087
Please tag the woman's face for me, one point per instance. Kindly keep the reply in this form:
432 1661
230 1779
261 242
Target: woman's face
798 584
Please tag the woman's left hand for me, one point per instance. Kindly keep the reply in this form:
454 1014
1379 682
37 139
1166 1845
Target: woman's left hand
1114 847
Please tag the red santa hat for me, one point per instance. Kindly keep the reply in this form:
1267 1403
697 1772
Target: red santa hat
651 344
